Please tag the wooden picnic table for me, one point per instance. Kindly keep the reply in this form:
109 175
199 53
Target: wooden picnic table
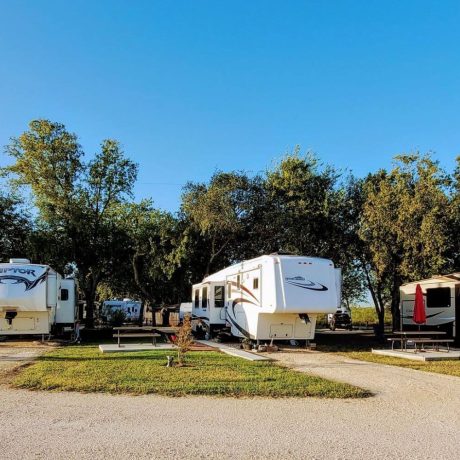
421 337
143 331
166 329
128 331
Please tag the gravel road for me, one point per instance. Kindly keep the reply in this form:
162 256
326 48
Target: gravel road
414 415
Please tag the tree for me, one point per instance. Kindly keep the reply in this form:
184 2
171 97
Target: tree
184 340
219 211
157 253
16 228
453 227
309 210
403 228
75 200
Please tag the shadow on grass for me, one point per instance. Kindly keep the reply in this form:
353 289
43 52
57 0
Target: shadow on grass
343 342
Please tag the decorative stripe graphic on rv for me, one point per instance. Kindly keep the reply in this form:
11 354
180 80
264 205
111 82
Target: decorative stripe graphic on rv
427 316
199 317
29 285
245 289
233 321
301 282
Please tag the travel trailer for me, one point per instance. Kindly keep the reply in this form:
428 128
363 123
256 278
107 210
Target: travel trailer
272 297
442 303
131 308
185 308
34 299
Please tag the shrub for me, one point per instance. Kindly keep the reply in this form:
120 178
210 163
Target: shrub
117 318
184 339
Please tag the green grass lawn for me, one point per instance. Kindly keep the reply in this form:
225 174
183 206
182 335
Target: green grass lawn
86 369
439 367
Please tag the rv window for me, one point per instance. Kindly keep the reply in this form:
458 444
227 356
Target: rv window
218 296
64 294
438 298
255 283
238 278
204 298
197 298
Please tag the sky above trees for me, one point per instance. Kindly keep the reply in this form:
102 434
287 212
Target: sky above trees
191 87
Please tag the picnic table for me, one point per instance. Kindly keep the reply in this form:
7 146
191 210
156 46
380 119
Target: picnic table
166 330
136 331
419 337
143 331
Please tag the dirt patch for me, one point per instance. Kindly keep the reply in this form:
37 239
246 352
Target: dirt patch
14 355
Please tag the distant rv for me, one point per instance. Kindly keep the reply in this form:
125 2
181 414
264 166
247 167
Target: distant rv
272 297
442 303
34 299
131 308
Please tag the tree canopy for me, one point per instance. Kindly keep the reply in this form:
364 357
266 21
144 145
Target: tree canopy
385 229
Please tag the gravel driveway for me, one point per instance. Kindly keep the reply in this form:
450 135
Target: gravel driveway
414 415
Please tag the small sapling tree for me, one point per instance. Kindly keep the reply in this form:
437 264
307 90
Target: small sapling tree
184 340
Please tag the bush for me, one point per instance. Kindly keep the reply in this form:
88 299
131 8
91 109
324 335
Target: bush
184 340
117 318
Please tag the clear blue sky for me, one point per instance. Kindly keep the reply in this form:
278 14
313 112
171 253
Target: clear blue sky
192 86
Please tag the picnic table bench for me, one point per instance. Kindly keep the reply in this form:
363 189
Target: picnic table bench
419 337
145 331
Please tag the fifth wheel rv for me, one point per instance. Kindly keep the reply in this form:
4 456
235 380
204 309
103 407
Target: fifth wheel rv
272 297
34 299
442 303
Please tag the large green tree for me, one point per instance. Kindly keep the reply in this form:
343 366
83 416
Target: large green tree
16 228
404 228
220 212
157 246
75 199
308 209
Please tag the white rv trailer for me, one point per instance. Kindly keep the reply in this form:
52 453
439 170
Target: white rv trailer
34 299
131 308
272 297
185 308
442 302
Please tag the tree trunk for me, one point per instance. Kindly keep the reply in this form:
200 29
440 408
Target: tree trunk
378 304
89 299
91 281
395 313
146 295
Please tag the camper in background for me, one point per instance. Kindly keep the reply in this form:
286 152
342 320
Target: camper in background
131 309
272 297
34 299
442 303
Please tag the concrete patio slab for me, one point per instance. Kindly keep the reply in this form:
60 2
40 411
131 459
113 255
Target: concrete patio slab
431 355
235 351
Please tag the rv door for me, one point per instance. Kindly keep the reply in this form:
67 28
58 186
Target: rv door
66 306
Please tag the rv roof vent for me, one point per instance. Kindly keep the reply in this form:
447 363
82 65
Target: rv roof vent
19 261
